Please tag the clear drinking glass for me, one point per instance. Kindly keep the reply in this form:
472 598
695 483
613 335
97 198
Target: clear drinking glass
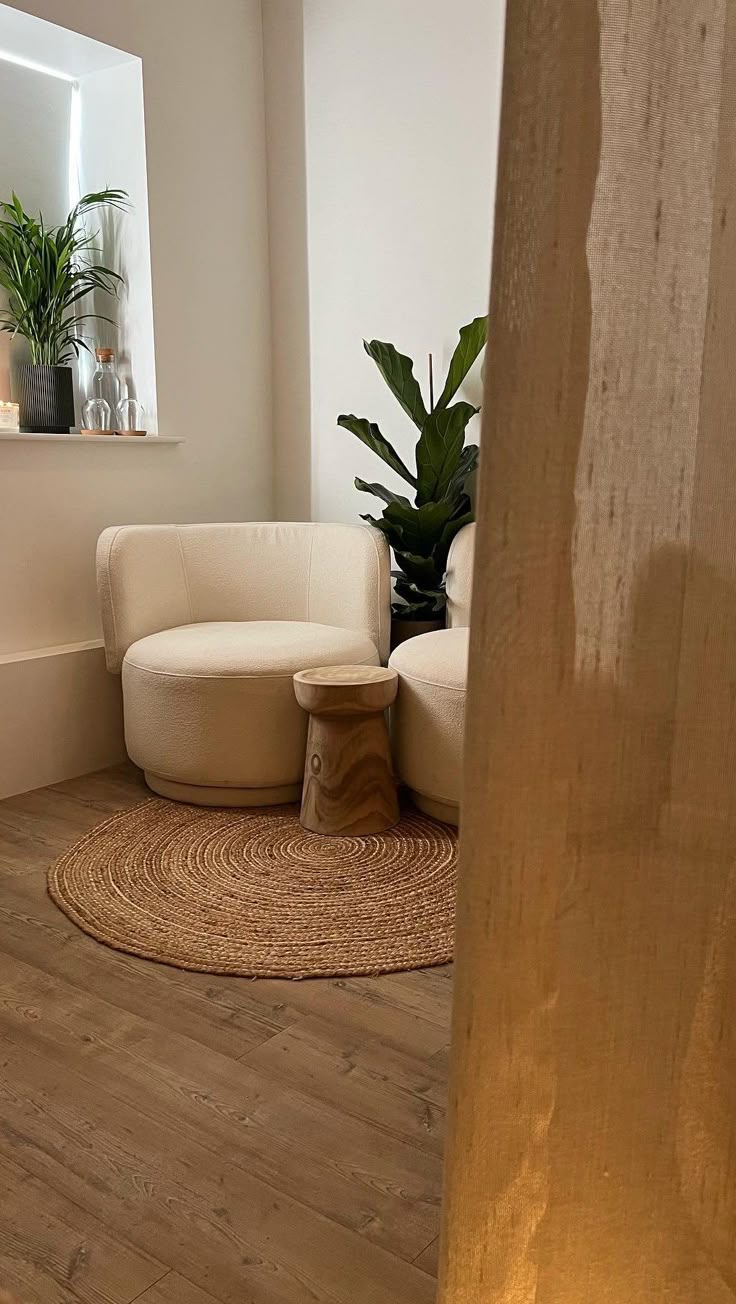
130 415
96 415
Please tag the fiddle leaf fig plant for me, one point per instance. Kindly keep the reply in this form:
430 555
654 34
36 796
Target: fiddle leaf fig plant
420 527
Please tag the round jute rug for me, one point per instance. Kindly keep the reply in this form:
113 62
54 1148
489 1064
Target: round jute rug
251 892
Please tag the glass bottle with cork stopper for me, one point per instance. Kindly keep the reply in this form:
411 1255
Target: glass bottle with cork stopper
105 381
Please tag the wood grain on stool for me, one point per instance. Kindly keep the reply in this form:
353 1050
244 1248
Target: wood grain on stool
349 785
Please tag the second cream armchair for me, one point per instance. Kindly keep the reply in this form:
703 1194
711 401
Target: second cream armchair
429 716
208 624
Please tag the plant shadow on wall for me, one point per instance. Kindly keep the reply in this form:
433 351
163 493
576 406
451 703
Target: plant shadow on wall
48 274
421 532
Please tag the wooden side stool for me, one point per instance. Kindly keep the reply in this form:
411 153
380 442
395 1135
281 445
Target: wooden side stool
349 785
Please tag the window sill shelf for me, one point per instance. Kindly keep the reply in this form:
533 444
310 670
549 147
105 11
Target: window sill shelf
134 440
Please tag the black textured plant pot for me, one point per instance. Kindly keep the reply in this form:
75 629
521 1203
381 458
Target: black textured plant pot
46 398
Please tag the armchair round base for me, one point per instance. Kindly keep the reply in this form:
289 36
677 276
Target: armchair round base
196 794
210 712
447 812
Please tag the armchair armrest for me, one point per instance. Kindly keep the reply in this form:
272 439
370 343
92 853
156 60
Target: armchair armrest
460 577
350 581
142 585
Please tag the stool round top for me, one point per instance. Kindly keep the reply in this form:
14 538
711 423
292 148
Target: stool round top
355 675
345 690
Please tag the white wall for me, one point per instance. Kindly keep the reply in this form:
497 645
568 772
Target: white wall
401 124
202 68
34 155
112 130
34 142
283 48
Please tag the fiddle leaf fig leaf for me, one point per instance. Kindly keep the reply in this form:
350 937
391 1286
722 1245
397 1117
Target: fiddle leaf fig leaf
423 572
369 434
418 528
375 521
425 609
455 526
398 372
417 603
472 339
380 491
412 592
439 450
466 465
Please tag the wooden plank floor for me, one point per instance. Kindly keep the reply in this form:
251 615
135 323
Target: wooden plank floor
177 1138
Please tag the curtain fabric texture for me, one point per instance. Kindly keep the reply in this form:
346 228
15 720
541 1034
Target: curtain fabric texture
592 1147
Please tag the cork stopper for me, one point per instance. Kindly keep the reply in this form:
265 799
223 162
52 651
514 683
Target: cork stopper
104 355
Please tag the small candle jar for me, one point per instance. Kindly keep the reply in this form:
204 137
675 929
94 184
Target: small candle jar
9 419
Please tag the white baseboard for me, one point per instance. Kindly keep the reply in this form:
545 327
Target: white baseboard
60 716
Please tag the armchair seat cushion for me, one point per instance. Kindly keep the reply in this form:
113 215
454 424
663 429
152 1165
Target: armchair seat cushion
210 711
249 648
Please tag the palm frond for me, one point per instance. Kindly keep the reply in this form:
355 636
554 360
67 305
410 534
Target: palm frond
47 271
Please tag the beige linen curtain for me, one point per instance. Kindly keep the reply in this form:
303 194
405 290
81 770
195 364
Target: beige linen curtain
592 1148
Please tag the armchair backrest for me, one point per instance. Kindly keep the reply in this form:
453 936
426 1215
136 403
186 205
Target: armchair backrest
460 577
155 577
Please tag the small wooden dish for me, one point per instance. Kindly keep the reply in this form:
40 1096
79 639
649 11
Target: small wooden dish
120 434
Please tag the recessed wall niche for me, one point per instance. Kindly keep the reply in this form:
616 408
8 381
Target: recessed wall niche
72 121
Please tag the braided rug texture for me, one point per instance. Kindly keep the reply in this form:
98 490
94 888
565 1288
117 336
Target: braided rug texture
251 892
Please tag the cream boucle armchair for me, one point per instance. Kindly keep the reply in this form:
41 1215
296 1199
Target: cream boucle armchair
428 721
208 624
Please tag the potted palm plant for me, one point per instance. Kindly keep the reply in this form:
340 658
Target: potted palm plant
420 531
48 272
